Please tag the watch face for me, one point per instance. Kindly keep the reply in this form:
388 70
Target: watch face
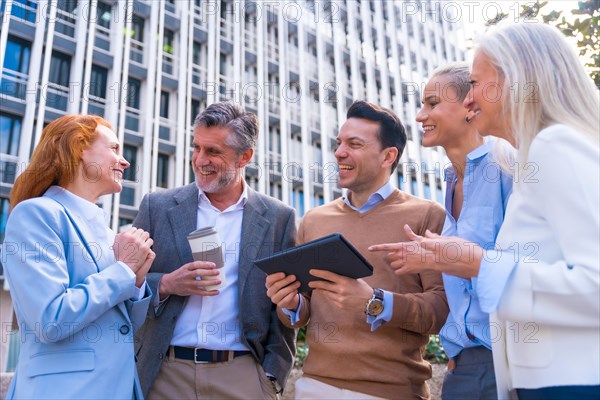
375 307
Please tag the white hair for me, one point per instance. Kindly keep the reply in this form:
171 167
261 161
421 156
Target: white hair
544 82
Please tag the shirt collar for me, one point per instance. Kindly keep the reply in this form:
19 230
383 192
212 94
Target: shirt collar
380 195
472 157
204 201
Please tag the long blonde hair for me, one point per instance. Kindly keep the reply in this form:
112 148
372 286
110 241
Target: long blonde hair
544 82
56 157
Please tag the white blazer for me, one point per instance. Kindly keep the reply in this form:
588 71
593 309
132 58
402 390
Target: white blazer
544 283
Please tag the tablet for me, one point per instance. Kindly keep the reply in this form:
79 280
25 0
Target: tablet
332 253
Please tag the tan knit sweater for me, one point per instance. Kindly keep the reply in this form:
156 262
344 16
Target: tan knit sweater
343 351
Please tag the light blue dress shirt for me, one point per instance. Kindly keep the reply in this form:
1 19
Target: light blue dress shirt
486 189
388 299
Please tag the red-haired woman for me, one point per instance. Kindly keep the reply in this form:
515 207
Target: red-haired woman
78 289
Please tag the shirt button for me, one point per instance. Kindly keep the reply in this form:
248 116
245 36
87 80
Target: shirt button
124 329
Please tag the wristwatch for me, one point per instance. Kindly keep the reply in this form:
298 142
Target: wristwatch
374 306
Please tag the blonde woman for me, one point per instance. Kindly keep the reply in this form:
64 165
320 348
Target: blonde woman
542 282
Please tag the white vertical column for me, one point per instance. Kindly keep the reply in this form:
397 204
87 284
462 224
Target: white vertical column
261 79
155 95
188 95
4 32
355 50
365 14
214 33
184 65
305 109
77 72
385 98
87 72
339 71
397 103
113 202
27 135
151 62
45 71
322 62
284 124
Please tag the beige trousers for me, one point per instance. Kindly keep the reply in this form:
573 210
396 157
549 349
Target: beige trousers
240 378
308 388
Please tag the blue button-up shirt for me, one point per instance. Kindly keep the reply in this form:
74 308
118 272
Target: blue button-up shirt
486 189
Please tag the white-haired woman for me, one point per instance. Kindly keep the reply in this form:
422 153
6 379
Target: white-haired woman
542 282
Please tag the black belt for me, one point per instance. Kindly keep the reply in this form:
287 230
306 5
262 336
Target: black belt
202 356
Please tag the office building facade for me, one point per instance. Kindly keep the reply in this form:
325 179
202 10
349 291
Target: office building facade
149 67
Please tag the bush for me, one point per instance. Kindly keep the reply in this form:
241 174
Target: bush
434 351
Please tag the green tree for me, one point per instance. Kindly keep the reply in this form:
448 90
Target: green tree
585 28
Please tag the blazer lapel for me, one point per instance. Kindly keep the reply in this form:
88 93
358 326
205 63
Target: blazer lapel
254 229
183 218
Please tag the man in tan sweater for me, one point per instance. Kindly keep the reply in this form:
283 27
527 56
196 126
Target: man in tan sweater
366 336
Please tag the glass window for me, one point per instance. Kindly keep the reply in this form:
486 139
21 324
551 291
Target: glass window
4 205
98 81
69 6
23 9
60 68
104 15
133 93
162 177
195 110
17 55
196 53
130 154
10 133
164 104
168 40
137 28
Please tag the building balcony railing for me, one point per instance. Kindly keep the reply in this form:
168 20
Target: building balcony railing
168 64
295 113
315 122
96 105
13 85
273 52
8 168
227 30
250 41
24 12
102 39
165 128
132 120
274 103
199 75
65 23
136 53
57 97
200 20
275 162
293 58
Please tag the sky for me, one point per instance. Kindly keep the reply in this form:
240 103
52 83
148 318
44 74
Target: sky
475 14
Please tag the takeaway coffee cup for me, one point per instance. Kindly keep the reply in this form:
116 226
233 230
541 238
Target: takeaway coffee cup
206 246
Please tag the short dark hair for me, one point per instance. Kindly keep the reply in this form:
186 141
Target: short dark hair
227 114
391 131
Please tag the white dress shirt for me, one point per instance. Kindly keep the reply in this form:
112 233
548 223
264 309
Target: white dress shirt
212 322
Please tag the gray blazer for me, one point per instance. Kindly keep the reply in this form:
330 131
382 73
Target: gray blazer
268 226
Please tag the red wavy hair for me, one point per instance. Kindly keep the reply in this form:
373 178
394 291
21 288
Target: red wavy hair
56 158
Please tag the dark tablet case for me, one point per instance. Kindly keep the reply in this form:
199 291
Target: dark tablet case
332 253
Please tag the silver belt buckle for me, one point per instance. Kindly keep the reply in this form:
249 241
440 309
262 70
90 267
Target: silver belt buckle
196 361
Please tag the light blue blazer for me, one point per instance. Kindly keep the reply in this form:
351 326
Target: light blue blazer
72 302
